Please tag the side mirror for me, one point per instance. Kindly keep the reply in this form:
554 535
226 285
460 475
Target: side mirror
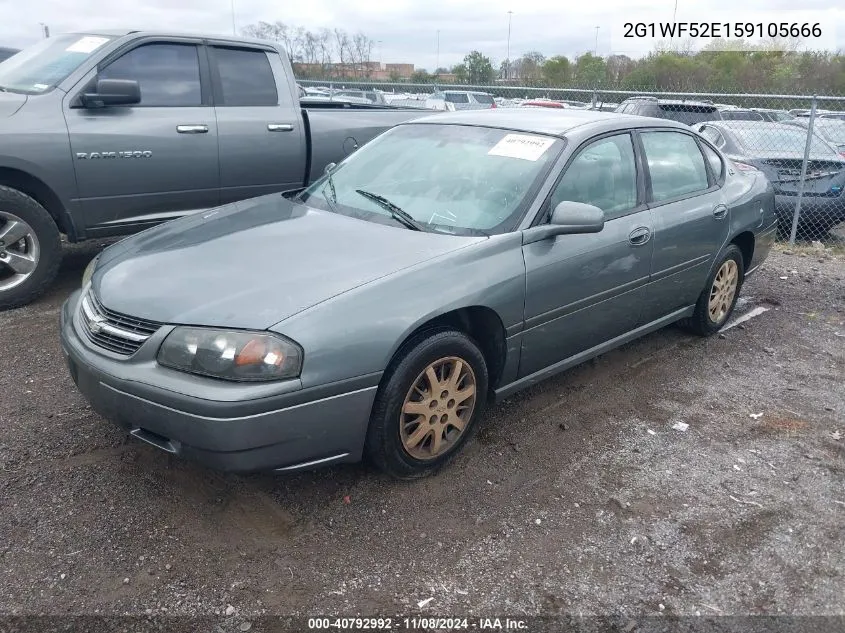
568 218
329 168
113 92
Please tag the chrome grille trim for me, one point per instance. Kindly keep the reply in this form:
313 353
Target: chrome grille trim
113 331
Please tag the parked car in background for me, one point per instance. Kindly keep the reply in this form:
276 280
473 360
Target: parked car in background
777 150
832 130
839 116
687 112
366 96
755 114
6 52
460 100
564 235
110 133
542 103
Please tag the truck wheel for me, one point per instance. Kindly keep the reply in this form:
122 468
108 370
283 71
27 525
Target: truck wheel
30 248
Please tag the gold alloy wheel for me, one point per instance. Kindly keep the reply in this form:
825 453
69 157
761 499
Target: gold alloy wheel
437 408
723 291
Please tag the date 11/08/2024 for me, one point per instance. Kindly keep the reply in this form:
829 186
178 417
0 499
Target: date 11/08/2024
727 30
417 624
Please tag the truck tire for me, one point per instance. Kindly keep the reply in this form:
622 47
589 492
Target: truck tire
30 249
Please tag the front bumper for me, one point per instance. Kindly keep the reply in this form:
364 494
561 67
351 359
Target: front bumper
227 426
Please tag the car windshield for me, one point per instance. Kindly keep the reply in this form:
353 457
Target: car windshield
483 98
773 138
42 66
449 178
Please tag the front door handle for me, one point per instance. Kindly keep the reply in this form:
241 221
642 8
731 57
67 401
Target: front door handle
720 212
280 127
639 236
192 129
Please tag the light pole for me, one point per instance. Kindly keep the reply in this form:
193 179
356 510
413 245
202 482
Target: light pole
438 52
234 29
379 42
597 41
508 66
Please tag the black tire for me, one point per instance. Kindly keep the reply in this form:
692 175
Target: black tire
384 446
49 243
701 322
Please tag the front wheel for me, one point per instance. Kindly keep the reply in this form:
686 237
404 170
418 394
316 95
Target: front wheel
435 392
717 300
30 248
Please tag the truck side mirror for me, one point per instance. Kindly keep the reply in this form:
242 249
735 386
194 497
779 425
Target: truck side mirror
113 92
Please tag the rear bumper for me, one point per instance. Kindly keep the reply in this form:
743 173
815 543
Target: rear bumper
813 208
763 244
301 429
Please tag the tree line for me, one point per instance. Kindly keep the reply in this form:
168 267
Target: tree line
316 55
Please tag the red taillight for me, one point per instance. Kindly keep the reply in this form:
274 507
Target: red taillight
494 105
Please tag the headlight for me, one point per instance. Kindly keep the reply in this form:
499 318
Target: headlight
89 271
231 355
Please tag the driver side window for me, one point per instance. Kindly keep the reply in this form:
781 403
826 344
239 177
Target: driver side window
603 174
169 74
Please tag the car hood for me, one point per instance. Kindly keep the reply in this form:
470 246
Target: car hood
10 103
252 264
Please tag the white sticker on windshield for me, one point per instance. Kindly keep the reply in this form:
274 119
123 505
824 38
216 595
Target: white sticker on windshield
524 146
87 44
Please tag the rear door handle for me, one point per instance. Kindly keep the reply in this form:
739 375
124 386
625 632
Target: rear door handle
280 127
720 212
639 236
192 129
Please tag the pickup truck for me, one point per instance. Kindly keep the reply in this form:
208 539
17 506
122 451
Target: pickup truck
109 133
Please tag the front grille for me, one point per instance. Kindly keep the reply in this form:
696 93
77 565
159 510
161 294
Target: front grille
114 331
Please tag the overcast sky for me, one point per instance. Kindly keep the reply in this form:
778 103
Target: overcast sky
408 29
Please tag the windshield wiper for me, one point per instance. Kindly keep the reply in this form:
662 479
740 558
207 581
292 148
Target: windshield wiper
397 213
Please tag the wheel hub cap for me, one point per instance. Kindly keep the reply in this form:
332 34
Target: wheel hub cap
437 408
19 251
723 291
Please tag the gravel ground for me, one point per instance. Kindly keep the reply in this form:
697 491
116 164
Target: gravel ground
577 496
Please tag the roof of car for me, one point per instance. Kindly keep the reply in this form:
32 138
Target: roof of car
550 121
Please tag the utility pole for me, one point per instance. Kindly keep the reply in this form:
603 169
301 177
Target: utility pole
508 66
234 29
438 52
597 41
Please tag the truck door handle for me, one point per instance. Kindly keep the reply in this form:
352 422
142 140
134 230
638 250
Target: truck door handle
192 129
720 212
639 236
280 127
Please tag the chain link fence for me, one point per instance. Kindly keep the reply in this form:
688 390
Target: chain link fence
796 141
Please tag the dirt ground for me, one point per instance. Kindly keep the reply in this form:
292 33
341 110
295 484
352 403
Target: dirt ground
577 496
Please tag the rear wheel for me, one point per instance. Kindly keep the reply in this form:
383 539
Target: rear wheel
435 392
30 248
717 300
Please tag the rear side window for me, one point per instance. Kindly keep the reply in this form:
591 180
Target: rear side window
675 164
713 135
246 78
169 74
482 98
716 165
457 97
